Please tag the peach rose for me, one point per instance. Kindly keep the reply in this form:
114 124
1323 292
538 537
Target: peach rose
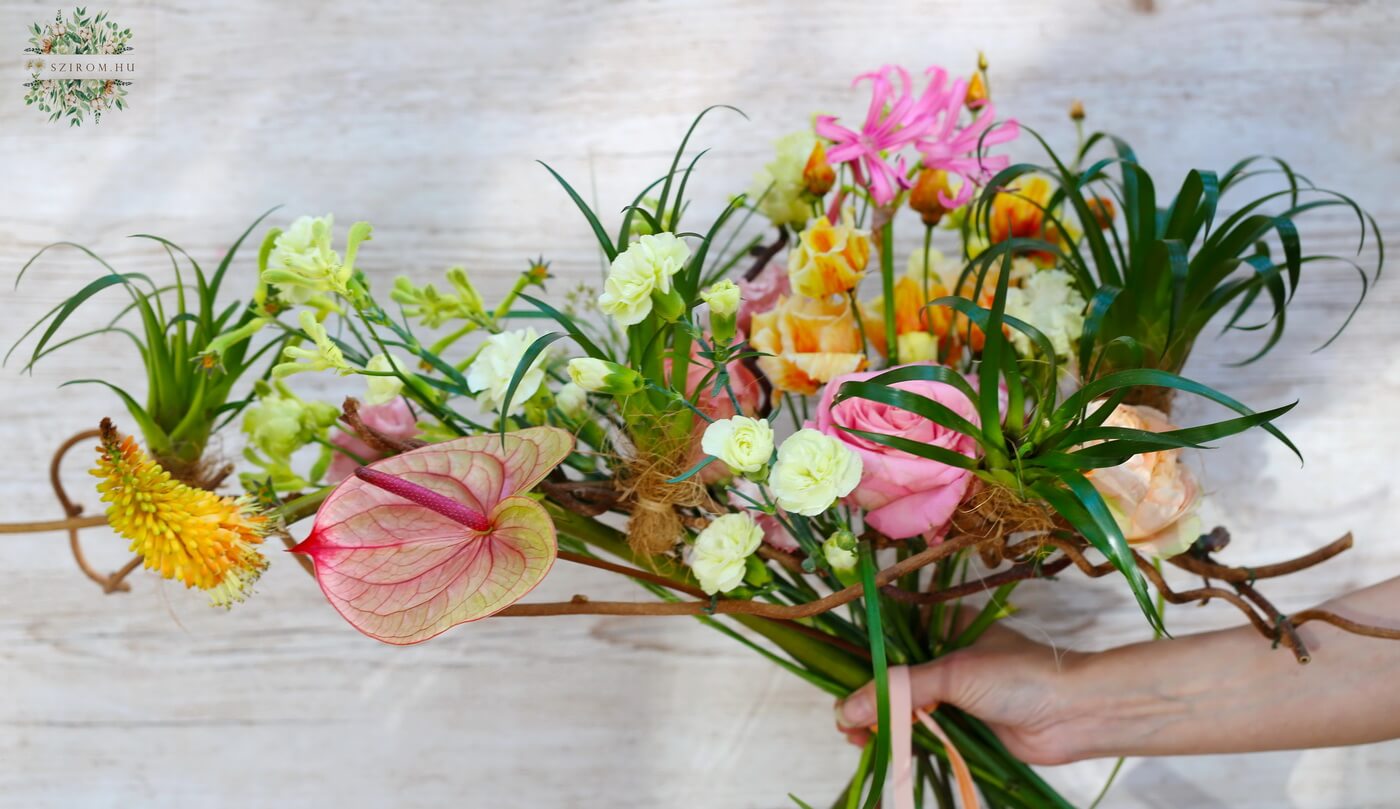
828 259
1153 496
811 341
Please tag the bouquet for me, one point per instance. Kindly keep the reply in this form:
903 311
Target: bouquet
824 442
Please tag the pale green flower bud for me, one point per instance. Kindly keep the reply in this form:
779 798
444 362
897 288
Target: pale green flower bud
466 292
571 400
213 354
382 389
723 299
602 376
840 551
302 262
326 356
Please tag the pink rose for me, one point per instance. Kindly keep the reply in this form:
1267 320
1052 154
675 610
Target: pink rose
393 419
903 495
762 293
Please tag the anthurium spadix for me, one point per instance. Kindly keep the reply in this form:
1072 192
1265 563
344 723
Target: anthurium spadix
415 544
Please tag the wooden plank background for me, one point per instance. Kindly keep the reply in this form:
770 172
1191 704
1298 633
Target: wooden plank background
425 118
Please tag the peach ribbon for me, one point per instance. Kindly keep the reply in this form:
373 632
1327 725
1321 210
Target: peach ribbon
902 741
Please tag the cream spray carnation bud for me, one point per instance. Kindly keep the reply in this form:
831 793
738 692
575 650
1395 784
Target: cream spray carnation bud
813 471
840 551
721 552
602 376
723 300
571 400
381 389
744 444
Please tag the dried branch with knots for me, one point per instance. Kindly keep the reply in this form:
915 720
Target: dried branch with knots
1041 556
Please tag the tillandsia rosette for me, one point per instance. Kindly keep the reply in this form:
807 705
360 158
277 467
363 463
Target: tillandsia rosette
823 441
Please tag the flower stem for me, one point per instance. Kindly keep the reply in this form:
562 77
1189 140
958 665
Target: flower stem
887 286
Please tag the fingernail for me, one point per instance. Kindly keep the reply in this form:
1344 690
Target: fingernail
852 712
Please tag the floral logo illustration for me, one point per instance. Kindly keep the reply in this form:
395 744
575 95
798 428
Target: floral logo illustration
75 99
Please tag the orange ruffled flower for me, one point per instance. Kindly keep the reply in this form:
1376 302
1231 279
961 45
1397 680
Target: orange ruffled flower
811 342
911 314
829 259
187 534
1018 213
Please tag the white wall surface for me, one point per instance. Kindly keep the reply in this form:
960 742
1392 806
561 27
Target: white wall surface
425 119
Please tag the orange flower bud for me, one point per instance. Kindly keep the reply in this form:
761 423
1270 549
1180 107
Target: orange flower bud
923 197
1076 110
1103 211
976 92
818 175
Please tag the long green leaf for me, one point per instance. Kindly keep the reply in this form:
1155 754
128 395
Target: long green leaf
602 235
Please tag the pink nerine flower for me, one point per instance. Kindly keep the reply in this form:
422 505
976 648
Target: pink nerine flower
894 120
903 495
944 146
393 419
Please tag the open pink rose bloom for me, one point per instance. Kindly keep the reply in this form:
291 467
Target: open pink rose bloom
415 544
903 495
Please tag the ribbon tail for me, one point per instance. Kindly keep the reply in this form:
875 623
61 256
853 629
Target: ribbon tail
902 745
967 788
901 738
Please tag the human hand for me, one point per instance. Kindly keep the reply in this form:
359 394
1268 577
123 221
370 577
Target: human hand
1025 692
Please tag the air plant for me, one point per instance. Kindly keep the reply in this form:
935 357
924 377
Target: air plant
194 351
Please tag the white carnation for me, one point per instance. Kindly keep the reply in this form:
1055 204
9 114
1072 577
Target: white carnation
1048 301
645 267
813 471
722 550
744 444
490 373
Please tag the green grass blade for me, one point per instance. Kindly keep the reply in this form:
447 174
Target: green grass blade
602 235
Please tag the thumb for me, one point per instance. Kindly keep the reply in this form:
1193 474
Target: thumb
929 683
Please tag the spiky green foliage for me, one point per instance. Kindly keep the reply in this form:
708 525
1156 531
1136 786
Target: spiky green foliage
1157 276
193 351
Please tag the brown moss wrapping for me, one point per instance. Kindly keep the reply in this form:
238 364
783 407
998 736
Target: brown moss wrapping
993 513
657 525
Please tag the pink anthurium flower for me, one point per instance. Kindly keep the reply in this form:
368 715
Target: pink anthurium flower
415 544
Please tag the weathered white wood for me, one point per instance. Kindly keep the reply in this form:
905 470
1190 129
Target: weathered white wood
425 119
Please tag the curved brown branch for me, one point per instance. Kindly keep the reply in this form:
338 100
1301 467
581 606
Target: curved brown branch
1211 569
583 606
1020 572
1325 616
112 582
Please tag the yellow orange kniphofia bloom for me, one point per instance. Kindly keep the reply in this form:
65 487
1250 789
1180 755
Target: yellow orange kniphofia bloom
186 534
811 342
828 259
